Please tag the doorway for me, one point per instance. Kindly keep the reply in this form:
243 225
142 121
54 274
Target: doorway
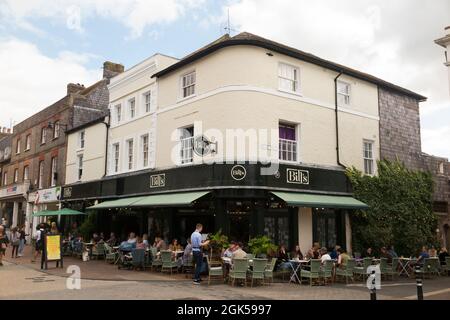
239 213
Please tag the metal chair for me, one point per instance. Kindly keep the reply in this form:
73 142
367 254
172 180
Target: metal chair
239 271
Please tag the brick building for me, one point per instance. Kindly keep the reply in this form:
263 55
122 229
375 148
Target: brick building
32 179
400 139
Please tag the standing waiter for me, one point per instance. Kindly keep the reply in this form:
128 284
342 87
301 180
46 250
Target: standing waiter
197 244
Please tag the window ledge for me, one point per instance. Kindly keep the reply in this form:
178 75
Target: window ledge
295 93
186 98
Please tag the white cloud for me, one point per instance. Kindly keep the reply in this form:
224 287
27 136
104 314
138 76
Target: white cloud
31 81
134 14
389 39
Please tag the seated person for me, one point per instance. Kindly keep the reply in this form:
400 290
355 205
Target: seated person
228 253
297 254
392 252
423 255
342 258
324 256
442 255
432 252
368 253
140 243
314 253
187 254
159 244
132 238
384 253
95 238
238 253
334 253
283 258
145 240
112 241
175 246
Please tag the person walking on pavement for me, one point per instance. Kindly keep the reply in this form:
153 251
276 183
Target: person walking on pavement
15 242
22 240
197 246
3 243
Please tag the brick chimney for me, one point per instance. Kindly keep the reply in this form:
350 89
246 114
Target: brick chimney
74 87
111 69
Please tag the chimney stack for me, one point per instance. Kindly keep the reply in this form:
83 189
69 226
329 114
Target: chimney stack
111 69
74 87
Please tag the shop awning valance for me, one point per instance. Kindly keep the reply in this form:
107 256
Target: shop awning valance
62 212
158 200
320 201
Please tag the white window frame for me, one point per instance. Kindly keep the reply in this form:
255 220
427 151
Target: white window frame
369 158
54 168
116 157
130 154
346 96
43 135
186 143
26 173
80 165
81 140
147 99
27 142
118 113
18 146
295 82
286 145
145 151
5 178
56 130
41 174
16 175
132 108
193 85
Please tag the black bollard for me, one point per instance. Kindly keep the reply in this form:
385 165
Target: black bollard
419 284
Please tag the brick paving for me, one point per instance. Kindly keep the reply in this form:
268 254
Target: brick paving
100 280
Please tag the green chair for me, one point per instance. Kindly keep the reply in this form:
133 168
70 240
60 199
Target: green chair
188 265
362 271
385 269
346 271
215 270
446 266
431 266
110 255
326 271
268 271
257 272
167 262
239 271
156 262
138 258
98 251
313 273
250 256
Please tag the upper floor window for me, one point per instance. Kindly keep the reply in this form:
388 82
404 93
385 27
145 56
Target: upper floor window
132 107
53 172
368 157
116 155
188 85
343 92
41 175
56 130
288 144
16 175
28 142
81 139
5 178
118 111
26 173
441 168
79 167
130 155
18 146
43 135
144 143
148 101
186 145
288 78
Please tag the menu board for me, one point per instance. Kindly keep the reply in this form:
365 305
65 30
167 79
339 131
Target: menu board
53 247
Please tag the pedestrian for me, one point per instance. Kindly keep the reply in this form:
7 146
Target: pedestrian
15 242
197 246
3 243
22 240
39 241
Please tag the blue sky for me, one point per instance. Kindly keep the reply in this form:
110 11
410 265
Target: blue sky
45 44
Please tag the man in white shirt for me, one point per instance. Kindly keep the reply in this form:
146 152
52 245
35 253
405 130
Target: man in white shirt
324 254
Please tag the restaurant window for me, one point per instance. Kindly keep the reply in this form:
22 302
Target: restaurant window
16 175
343 92
328 229
41 175
43 135
368 157
132 108
56 130
26 173
53 175
116 154
188 85
144 143
28 142
148 101
118 112
288 78
18 146
276 228
130 153
81 139
186 145
80 167
288 145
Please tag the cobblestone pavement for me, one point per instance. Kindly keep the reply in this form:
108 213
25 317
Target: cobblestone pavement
25 281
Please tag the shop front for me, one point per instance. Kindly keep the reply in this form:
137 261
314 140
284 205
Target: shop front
298 205
13 203
42 200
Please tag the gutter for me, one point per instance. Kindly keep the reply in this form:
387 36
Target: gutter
336 111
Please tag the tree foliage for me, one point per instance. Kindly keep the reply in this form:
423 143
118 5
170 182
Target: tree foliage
400 211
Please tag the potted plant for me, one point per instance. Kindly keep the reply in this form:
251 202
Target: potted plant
217 242
262 246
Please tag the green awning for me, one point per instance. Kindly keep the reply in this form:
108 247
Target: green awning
119 203
174 199
320 201
62 212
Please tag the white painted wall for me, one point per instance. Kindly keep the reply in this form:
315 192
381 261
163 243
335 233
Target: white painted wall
305 229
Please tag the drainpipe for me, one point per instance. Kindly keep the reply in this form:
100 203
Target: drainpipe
107 142
337 120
